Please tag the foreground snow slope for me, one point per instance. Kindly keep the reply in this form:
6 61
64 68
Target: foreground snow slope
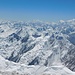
11 68
37 47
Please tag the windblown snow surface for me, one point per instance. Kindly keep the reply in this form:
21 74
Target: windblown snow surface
37 48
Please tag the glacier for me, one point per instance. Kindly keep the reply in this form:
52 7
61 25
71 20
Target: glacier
37 48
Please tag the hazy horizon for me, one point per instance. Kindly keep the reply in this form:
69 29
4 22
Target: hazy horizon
44 10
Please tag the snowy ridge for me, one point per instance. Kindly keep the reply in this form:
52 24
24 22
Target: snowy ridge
37 48
10 68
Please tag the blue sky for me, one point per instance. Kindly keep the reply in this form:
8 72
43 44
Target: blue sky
45 10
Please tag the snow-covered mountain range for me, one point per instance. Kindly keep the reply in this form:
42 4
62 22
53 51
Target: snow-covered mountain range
37 48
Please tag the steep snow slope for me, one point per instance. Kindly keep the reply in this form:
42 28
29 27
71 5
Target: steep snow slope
11 68
39 43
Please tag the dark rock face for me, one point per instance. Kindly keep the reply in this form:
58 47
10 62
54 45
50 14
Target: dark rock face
24 39
12 36
36 35
14 59
34 62
59 37
69 58
72 38
25 48
1 31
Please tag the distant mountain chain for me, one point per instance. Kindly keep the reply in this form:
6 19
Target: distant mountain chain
37 48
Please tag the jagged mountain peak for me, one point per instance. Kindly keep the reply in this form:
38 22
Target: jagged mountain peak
38 43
